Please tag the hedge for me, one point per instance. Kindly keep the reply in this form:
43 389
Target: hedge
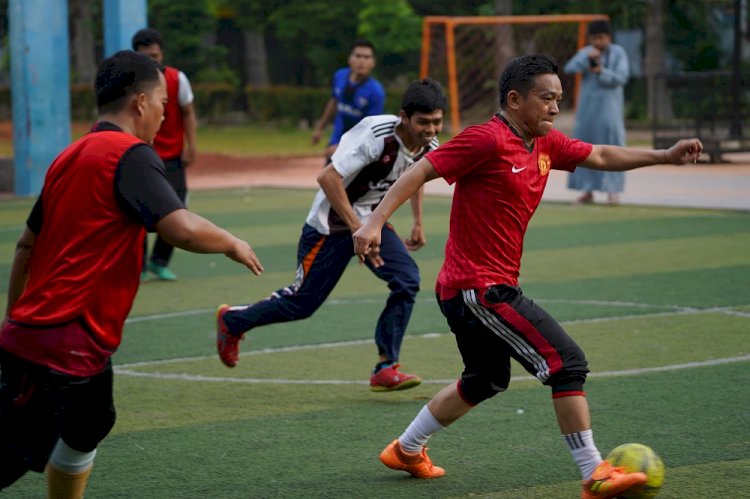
222 103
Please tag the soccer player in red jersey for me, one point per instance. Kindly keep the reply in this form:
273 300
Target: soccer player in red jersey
75 275
174 142
500 170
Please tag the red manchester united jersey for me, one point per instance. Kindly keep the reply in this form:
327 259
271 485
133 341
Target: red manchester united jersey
499 184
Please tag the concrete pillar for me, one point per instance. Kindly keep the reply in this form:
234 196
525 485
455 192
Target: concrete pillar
122 18
40 88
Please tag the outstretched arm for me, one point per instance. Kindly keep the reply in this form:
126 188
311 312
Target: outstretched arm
614 158
367 237
192 232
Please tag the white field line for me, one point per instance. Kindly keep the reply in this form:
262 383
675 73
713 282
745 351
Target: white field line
363 301
281 381
296 348
127 369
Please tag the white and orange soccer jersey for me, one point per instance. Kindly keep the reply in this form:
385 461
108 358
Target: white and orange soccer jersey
370 158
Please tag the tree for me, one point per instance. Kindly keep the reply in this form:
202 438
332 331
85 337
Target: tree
315 37
505 47
396 31
659 103
188 30
82 16
251 17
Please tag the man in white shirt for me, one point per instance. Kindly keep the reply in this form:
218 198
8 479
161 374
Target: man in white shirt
369 159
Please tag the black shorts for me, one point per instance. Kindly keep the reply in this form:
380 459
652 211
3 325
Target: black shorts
495 324
38 405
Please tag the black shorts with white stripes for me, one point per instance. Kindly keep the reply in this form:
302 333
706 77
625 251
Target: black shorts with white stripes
495 324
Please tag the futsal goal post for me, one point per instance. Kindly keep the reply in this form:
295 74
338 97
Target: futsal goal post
468 54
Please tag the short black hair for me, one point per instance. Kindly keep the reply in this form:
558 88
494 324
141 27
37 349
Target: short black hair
147 37
361 42
519 75
598 27
121 75
423 96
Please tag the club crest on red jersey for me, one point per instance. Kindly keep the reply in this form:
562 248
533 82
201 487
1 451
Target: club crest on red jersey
544 163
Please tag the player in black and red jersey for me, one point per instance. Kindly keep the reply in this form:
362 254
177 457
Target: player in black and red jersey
76 272
500 171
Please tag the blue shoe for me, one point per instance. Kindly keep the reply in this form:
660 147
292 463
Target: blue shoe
163 273
145 276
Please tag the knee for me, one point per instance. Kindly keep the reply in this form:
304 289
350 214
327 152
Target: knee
475 389
69 460
406 285
295 310
86 435
570 378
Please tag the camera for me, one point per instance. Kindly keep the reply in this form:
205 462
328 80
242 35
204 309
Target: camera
593 63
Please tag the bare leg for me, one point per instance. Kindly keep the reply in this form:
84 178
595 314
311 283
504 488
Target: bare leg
444 408
572 414
575 424
447 405
585 198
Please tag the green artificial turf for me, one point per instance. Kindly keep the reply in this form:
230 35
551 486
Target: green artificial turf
659 298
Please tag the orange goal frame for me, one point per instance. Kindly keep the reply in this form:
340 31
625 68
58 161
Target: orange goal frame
450 23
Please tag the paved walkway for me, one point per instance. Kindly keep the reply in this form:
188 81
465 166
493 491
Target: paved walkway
702 185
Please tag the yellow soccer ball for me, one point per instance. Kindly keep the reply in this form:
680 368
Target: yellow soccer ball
638 457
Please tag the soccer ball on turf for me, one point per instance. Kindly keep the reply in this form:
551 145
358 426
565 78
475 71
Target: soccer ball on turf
639 457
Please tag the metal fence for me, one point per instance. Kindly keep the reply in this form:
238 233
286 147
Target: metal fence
703 105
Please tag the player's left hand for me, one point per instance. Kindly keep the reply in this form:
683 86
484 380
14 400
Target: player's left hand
685 151
188 156
374 257
417 238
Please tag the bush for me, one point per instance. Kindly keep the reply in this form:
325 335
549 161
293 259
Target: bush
285 104
222 102
215 101
82 102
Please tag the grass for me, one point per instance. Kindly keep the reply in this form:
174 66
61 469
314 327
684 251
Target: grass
259 140
659 298
253 140
237 140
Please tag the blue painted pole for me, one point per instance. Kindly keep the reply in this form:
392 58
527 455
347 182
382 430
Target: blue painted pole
40 88
122 18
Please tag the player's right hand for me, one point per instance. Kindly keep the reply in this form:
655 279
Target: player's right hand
366 238
316 136
244 254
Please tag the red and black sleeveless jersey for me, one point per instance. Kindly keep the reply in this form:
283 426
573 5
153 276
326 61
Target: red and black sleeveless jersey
91 271
169 140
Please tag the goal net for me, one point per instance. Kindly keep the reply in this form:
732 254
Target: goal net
467 54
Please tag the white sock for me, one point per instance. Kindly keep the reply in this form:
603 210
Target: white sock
584 451
419 431
70 460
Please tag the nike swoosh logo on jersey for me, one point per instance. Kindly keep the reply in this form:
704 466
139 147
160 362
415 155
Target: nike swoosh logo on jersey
515 169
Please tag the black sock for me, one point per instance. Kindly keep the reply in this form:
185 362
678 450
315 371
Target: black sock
381 365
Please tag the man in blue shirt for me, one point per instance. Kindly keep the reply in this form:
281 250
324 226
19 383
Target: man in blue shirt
354 95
